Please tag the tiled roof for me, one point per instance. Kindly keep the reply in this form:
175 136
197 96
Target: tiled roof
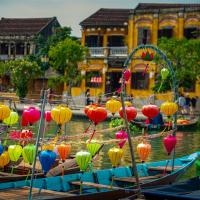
107 17
150 6
23 26
117 17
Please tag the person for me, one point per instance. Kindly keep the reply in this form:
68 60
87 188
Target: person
87 95
193 103
181 103
157 121
187 103
49 95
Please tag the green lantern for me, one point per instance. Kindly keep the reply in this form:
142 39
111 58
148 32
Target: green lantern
83 158
164 73
28 153
93 147
15 152
12 119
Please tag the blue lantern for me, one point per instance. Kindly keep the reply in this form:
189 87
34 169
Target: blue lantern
1 149
47 159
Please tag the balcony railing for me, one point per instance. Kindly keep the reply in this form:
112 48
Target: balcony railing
108 51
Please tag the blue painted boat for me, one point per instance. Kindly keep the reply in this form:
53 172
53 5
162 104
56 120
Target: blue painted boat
112 183
189 190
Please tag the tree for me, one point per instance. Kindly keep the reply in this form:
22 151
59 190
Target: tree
64 58
185 57
21 73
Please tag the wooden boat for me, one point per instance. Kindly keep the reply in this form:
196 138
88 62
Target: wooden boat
189 190
112 183
187 124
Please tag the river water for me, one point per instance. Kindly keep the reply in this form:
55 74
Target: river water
187 143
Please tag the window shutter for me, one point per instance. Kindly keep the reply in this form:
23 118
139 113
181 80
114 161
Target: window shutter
148 40
140 36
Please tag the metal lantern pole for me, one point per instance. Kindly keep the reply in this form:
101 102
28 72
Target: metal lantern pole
37 143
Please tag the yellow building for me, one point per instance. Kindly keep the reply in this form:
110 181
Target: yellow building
111 34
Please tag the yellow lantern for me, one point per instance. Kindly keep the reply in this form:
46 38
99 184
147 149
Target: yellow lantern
15 152
113 106
12 119
61 114
4 112
169 108
143 150
115 155
128 103
49 147
4 159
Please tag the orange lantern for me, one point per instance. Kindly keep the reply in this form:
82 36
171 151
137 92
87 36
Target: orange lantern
144 150
64 150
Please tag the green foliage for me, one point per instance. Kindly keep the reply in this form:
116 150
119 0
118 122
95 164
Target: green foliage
185 56
21 73
64 59
115 122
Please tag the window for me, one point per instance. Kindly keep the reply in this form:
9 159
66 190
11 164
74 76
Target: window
191 33
115 41
93 79
94 41
4 49
165 32
144 36
140 80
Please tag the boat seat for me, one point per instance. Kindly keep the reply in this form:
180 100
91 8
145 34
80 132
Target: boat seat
163 168
95 185
133 179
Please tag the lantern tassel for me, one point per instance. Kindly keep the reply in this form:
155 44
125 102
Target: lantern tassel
92 136
86 130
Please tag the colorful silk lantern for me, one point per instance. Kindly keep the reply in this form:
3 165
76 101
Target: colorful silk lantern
131 113
4 159
164 73
4 112
49 147
127 75
12 119
83 158
30 115
63 151
150 111
113 106
127 103
169 143
15 152
143 150
169 108
47 116
96 115
121 135
47 159
28 153
88 107
1 149
61 114
115 155
93 147
122 143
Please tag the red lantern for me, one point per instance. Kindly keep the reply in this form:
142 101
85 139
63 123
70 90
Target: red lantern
30 115
127 75
131 113
97 114
169 143
150 111
47 116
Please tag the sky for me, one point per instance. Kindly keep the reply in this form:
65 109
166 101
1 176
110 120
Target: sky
68 12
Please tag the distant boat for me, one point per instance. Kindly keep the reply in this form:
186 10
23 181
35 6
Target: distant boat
189 190
111 183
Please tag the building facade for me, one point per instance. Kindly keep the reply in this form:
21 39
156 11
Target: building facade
111 34
17 39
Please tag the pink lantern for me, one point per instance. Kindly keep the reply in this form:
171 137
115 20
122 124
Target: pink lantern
121 135
127 75
169 143
30 115
47 116
122 143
